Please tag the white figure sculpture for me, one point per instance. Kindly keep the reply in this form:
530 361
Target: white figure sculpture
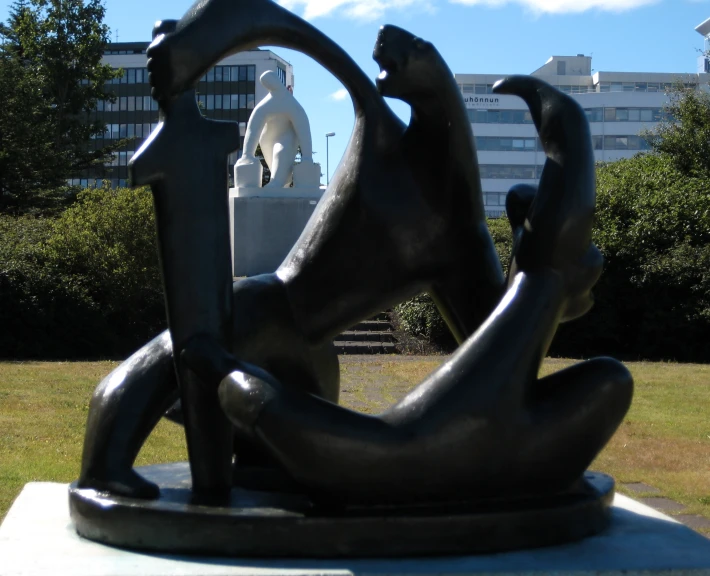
279 124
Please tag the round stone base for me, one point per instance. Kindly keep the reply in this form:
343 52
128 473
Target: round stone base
267 525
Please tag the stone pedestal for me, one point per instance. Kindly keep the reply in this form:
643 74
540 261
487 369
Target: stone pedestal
38 538
265 224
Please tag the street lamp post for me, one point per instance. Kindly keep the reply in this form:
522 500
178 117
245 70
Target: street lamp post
327 157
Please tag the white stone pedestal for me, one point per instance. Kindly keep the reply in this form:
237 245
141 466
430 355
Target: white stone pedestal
37 538
265 224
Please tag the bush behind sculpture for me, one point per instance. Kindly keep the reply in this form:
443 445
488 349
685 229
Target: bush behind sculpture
86 284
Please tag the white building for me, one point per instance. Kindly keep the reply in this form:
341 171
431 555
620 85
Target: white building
619 106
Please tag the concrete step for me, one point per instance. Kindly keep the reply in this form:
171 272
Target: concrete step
360 347
372 326
366 336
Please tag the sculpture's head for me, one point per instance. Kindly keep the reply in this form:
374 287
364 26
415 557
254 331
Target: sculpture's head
408 64
271 82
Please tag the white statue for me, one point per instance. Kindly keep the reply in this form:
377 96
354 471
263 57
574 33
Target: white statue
279 124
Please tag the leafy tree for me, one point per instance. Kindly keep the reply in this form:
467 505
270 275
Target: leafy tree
52 77
684 134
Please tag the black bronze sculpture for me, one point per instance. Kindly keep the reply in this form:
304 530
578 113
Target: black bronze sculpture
483 434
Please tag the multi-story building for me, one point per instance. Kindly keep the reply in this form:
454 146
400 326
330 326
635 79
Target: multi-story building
228 91
619 107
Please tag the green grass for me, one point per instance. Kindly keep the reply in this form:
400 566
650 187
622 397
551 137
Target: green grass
664 442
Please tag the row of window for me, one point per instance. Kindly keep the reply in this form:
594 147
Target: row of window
216 74
207 101
127 103
496 144
499 116
575 89
620 143
627 115
639 86
230 74
510 171
226 101
593 115
119 131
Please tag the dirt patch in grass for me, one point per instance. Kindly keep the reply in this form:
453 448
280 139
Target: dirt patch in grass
664 442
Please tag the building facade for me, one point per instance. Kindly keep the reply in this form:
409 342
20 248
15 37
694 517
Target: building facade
229 91
619 107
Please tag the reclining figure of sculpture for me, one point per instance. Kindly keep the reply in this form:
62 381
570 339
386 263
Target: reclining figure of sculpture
483 429
280 126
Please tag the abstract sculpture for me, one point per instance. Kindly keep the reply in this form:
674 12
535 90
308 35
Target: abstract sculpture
481 456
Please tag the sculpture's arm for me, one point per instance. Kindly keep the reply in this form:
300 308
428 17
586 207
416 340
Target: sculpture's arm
255 126
302 127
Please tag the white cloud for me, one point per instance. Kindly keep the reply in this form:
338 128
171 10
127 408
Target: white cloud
561 6
366 10
338 95
375 9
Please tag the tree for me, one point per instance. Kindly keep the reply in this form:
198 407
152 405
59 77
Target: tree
53 78
684 134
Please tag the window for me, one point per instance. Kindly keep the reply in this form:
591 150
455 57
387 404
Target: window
250 101
210 102
123 103
139 103
131 131
242 100
279 71
210 75
131 103
234 101
139 131
234 73
251 73
217 75
218 101
131 76
499 116
516 172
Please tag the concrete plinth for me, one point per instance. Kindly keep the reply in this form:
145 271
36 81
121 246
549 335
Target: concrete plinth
264 229
37 537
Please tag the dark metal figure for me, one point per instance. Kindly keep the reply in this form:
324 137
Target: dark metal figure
392 223
483 450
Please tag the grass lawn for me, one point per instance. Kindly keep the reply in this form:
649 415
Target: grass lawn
664 442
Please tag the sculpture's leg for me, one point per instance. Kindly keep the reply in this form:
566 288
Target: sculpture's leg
574 413
125 408
282 161
130 401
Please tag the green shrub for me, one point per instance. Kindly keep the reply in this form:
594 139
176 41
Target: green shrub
86 284
43 314
420 317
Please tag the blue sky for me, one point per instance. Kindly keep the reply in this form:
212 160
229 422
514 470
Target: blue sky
474 36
